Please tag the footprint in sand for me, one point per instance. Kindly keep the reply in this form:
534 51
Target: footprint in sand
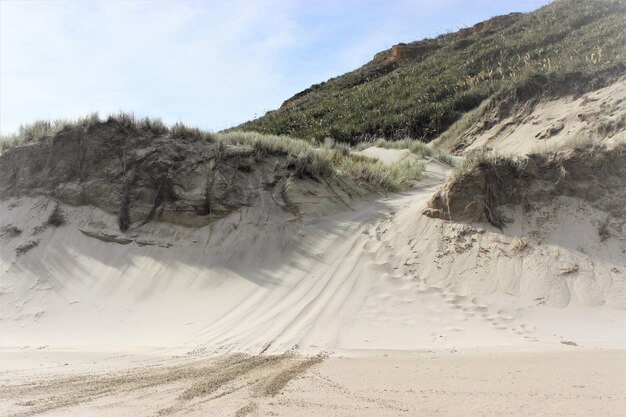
394 279
505 315
525 331
475 306
477 301
454 298
371 246
425 289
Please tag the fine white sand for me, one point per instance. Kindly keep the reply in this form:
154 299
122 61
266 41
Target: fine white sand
375 279
567 382
389 156
549 124
380 276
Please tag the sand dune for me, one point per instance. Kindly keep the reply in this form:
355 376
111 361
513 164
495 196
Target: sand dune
549 124
262 311
379 276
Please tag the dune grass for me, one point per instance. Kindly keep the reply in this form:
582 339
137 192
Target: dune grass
41 129
592 147
303 157
373 172
327 160
515 95
126 122
451 136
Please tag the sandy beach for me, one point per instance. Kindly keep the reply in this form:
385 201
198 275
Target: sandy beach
560 382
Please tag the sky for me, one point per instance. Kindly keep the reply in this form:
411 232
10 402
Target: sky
212 64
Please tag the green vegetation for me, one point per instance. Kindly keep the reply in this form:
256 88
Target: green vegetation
125 122
423 98
592 148
530 89
327 160
179 131
305 159
566 47
489 181
481 159
451 136
41 129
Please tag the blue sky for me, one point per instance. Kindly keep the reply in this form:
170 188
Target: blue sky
212 64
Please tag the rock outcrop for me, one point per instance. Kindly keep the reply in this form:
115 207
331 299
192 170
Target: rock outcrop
490 26
403 52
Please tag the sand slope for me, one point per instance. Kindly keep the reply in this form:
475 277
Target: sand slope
548 124
552 123
379 276
372 310
389 156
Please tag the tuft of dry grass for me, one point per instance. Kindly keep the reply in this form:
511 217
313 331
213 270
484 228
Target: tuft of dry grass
451 137
126 122
180 131
25 247
326 161
42 129
303 158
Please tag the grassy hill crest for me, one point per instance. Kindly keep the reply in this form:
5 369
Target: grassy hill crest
423 87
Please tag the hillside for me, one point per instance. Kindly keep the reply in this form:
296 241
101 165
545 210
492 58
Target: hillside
421 88
565 110
324 259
